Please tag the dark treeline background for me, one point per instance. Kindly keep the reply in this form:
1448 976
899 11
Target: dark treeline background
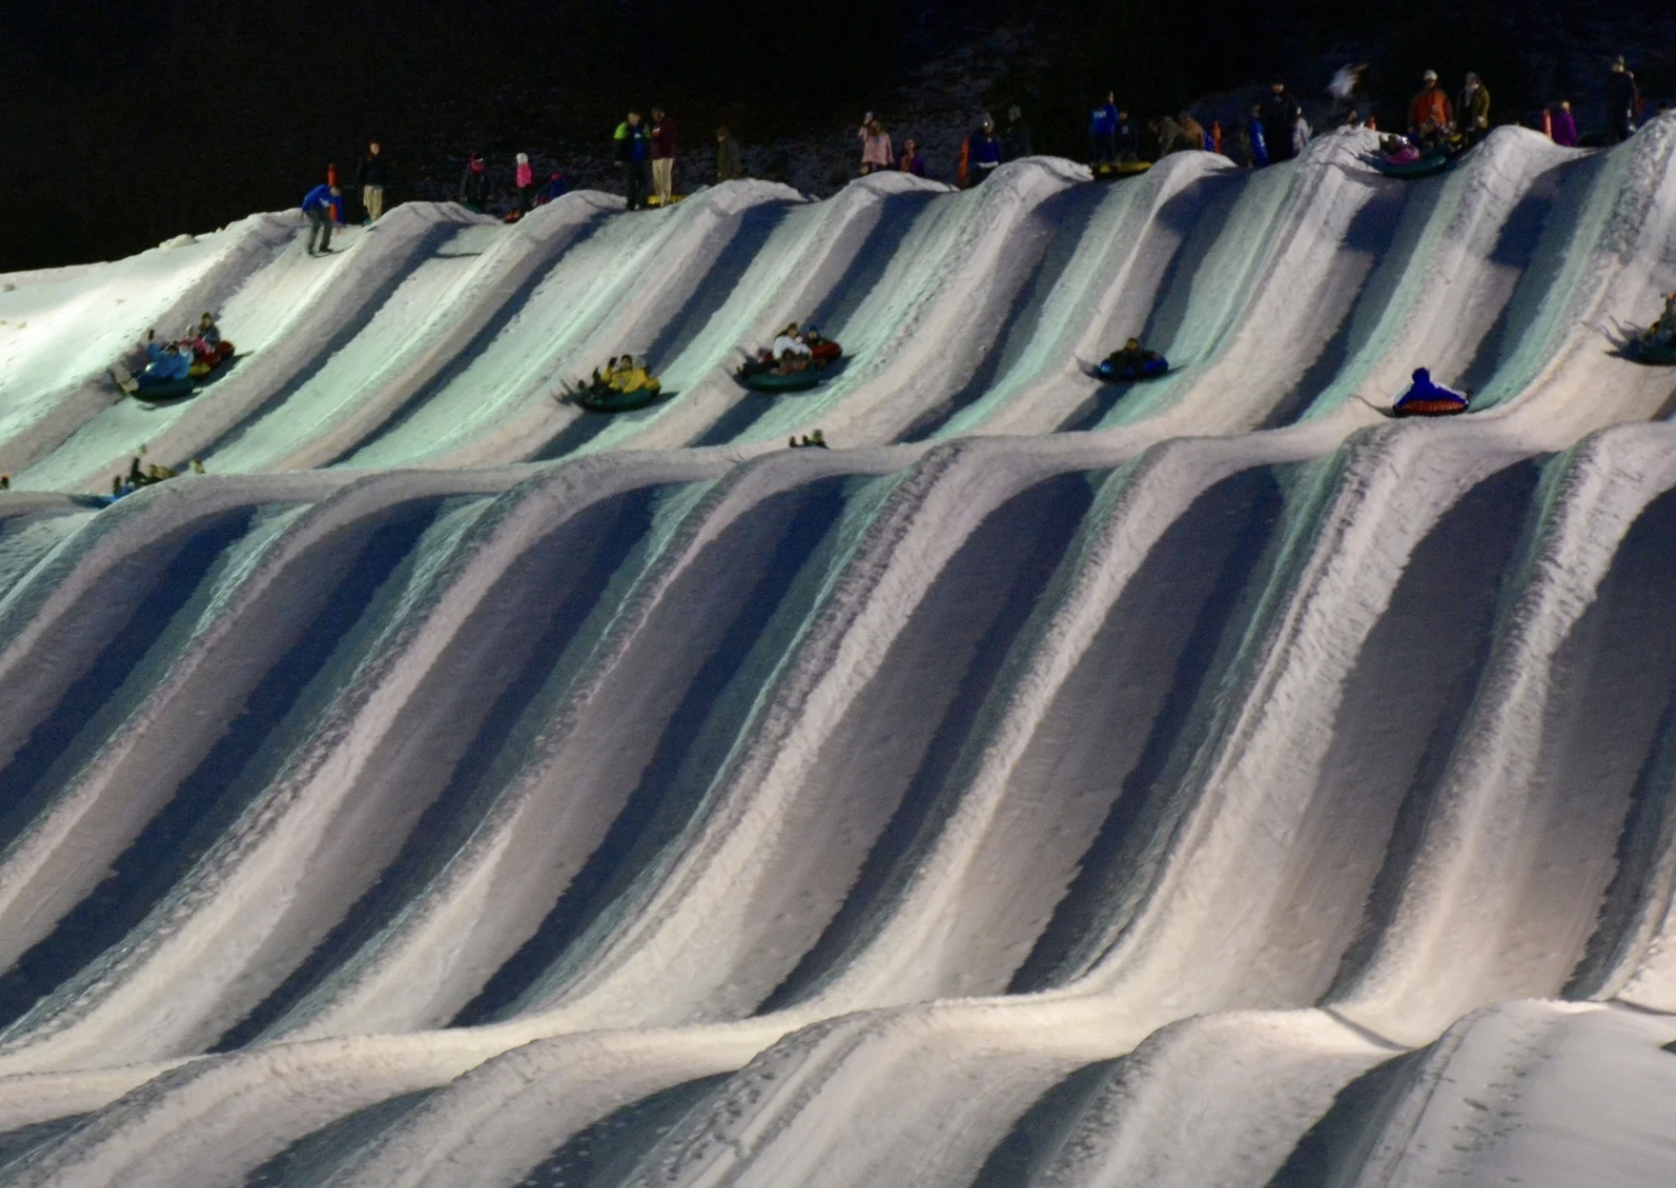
127 123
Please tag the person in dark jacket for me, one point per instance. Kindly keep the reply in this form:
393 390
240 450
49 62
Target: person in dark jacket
1280 114
1474 113
1623 102
372 179
1256 142
730 162
1128 144
1102 131
474 184
556 186
911 161
981 154
1016 142
317 209
633 150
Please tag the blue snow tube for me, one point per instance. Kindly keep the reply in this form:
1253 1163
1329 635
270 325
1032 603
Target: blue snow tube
1150 367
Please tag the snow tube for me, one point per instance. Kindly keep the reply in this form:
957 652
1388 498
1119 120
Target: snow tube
168 390
1126 373
1430 406
1659 356
1111 171
602 399
793 381
1429 165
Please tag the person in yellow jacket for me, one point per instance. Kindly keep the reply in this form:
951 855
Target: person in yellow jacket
632 377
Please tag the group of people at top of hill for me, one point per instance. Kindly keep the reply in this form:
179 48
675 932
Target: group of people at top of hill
983 151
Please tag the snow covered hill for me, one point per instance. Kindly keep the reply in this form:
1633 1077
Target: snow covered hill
1242 790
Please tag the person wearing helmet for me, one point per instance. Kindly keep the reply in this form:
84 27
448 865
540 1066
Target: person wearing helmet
1430 117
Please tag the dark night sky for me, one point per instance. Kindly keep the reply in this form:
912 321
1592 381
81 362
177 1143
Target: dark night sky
130 122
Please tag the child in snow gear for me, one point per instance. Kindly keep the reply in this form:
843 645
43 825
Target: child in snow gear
168 373
632 147
1427 399
372 178
524 177
556 187
876 153
912 162
663 156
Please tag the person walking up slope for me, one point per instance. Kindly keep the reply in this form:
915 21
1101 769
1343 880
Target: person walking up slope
317 209
372 179
663 156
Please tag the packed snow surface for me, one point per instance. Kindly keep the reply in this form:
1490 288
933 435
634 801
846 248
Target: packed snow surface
1207 782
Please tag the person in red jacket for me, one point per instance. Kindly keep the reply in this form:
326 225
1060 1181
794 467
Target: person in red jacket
1430 118
663 156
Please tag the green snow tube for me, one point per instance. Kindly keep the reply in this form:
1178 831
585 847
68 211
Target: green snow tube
793 381
1659 356
168 390
604 399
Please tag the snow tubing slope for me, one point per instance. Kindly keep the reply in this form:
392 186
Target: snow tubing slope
1041 787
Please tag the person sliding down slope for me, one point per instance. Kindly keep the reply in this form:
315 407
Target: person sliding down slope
790 343
630 376
1427 399
1133 362
169 365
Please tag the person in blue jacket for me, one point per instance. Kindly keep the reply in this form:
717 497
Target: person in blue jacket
1428 398
317 209
983 153
1102 131
1256 146
632 146
169 364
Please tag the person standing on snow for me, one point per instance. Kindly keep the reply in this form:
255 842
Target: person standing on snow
981 155
1429 115
1256 147
912 162
1562 124
1102 131
1475 111
632 146
1016 142
317 209
1280 113
1623 101
474 184
663 156
1173 138
1194 131
876 152
523 176
730 162
372 178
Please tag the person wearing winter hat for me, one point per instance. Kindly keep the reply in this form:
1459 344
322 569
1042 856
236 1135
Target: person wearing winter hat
524 176
474 184
1430 116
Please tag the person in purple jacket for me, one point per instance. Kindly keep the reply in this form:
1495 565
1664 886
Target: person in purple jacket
912 162
1565 124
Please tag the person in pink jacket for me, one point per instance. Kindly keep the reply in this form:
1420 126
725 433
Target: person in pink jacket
875 147
525 177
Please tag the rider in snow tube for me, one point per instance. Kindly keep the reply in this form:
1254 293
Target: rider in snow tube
1658 344
1426 399
168 374
1132 363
